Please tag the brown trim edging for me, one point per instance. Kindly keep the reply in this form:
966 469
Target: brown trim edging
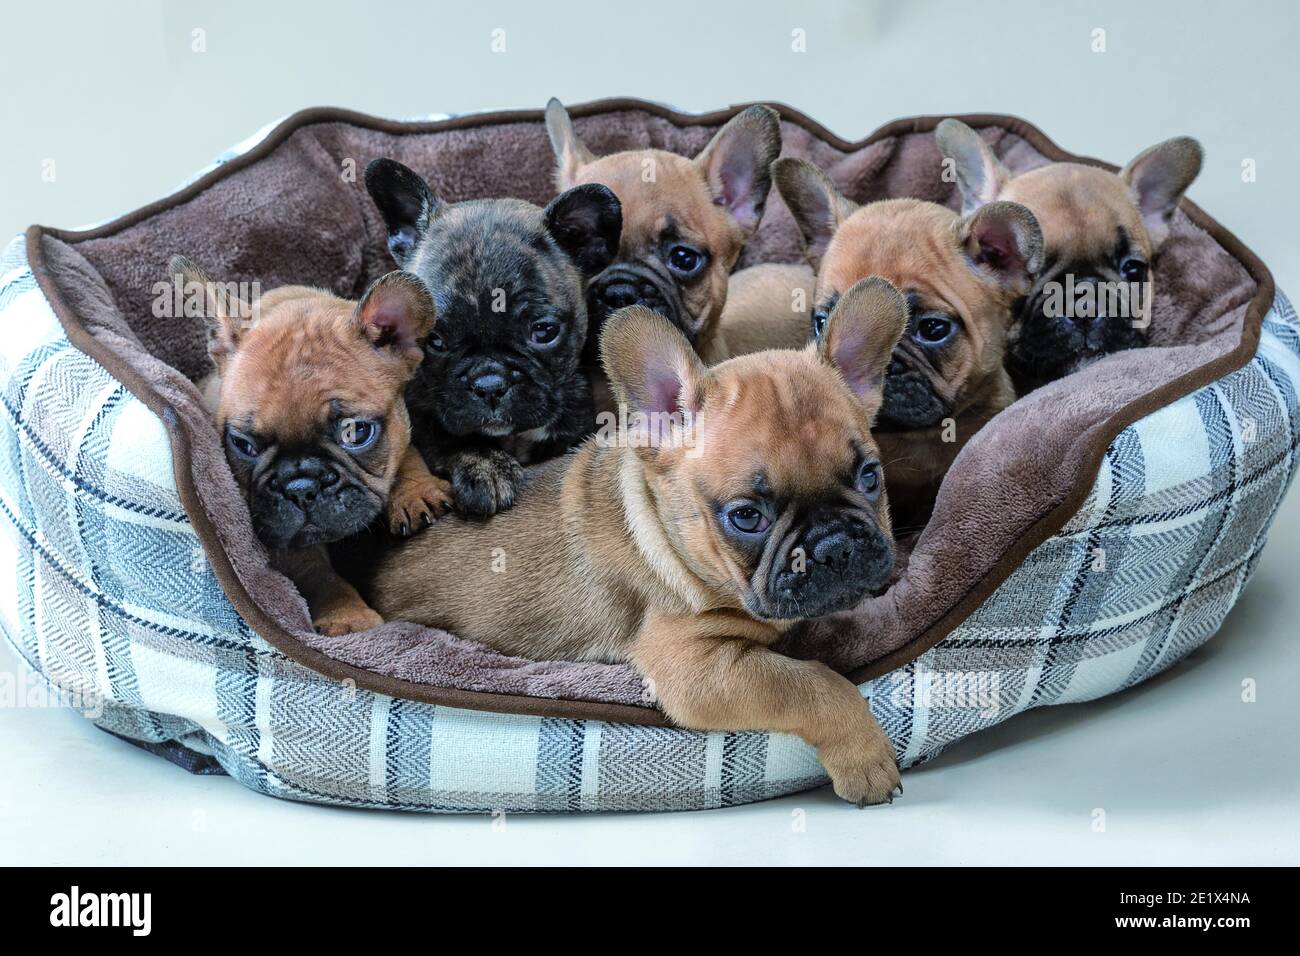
248 608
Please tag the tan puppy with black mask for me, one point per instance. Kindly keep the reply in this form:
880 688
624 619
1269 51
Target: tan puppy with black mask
961 276
741 498
307 396
1101 234
685 221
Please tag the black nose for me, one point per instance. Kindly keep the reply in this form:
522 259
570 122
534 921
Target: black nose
834 550
302 491
489 386
302 479
618 294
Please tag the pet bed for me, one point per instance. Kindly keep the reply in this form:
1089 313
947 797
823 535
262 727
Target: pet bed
1092 535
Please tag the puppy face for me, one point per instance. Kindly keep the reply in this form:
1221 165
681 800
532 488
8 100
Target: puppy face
508 279
685 221
771 490
960 277
1101 232
310 409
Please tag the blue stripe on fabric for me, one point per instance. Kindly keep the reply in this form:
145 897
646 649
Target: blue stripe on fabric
1222 439
559 764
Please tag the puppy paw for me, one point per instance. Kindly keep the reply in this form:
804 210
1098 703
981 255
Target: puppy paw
863 771
347 620
417 503
486 484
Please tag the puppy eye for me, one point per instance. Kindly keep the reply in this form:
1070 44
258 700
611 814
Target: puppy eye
242 445
747 519
685 260
934 329
869 482
358 434
819 319
544 332
1133 270
437 340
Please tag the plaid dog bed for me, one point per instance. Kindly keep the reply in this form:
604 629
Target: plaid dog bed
109 598
107 595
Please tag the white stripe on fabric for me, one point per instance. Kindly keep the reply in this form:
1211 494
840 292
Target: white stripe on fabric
379 746
139 447
1175 448
484 752
920 718
713 743
590 788
176 685
262 714
29 324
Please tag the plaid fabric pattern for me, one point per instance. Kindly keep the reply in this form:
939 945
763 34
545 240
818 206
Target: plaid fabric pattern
106 594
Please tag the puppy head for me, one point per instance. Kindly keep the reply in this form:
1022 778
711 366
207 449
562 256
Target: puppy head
1101 231
310 409
685 221
508 279
960 276
768 484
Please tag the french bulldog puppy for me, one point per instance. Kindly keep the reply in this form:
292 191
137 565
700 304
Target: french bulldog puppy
740 499
308 401
961 276
685 221
1101 234
500 385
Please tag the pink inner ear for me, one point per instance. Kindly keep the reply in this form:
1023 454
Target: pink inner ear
850 357
662 387
997 246
736 187
390 320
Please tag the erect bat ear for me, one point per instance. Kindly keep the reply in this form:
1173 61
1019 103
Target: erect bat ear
737 164
1004 242
587 222
406 203
817 206
861 332
980 174
397 313
1159 176
570 152
655 373
228 316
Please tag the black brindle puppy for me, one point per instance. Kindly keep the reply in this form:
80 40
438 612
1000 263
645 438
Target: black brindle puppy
499 386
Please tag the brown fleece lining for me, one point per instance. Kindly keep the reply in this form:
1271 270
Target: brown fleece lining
285 212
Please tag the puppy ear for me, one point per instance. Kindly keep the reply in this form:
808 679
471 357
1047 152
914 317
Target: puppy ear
397 313
228 317
737 164
406 203
1003 240
980 174
651 367
570 153
586 221
861 332
1159 176
817 206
